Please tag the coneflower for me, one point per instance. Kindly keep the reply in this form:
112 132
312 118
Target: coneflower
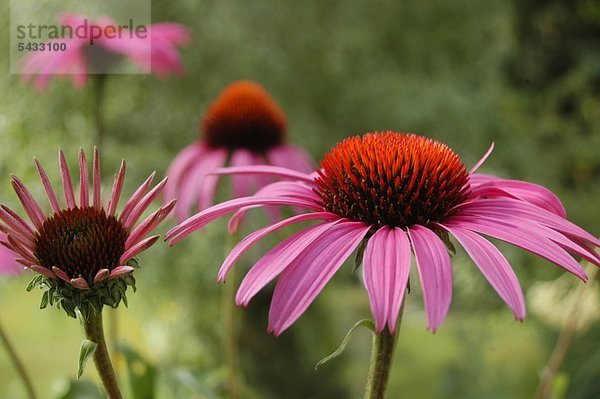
83 250
395 195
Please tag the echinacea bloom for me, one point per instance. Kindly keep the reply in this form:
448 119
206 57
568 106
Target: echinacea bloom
399 195
82 249
243 127
154 50
8 265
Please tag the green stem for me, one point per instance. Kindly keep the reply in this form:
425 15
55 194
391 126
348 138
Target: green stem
382 358
99 86
18 365
230 332
94 331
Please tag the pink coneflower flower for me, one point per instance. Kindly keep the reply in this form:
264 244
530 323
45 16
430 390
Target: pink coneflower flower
399 195
8 265
155 50
83 251
243 127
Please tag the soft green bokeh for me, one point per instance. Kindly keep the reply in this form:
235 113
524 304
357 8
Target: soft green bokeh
522 74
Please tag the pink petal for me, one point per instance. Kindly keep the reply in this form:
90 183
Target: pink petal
149 224
494 266
144 203
102 275
47 186
207 191
179 167
136 197
275 171
435 272
245 244
97 183
121 271
386 267
80 283
482 160
61 274
137 249
117 188
65 176
305 277
84 185
19 248
15 222
30 205
241 183
43 271
291 157
203 218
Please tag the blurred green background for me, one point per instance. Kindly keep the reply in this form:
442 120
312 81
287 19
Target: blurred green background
522 74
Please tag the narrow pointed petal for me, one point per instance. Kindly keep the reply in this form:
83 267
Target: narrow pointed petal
144 203
52 198
207 191
84 189
121 271
494 266
435 272
275 171
245 244
101 275
65 176
179 167
482 160
136 197
19 248
15 222
30 205
386 267
276 260
202 218
149 224
61 274
80 283
305 277
240 184
117 188
138 248
97 183
43 271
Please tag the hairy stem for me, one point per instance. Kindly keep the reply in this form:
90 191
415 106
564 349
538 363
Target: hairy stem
382 356
94 331
17 364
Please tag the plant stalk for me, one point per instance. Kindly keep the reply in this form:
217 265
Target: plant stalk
17 364
99 88
94 331
230 329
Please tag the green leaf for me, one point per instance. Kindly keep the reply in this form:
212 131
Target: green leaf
142 374
85 352
368 324
33 283
81 389
45 299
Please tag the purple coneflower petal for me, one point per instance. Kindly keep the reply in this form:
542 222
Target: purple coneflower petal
97 180
292 157
435 272
276 260
275 171
305 277
42 270
180 166
19 248
15 222
386 267
136 197
149 224
206 195
121 271
144 203
248 241
202 218
65 176
138 248
80 283
29 203
52 198
102 275
117 188
84 185
522 236
241 184
482 160
61 274
494 266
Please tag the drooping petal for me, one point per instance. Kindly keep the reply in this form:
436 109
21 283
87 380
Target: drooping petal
494 266
15 222
207 191
121 271
32 208
180 166
47 186
305 277
386 267
291 157
240 184
245 244
43 271
435 272
275 171
65 176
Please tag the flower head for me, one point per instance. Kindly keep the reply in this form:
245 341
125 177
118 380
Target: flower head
83 251
395 195
243 126
154 51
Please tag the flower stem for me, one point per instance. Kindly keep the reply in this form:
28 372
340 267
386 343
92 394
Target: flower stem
94 331
230 335
18 365
382 356
99 86
566 335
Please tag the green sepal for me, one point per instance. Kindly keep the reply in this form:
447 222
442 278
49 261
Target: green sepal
366 323
446 239
85 352
359 254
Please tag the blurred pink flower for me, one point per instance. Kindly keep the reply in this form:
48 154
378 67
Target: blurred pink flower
82 244
155 51
8 264
398 195
243 126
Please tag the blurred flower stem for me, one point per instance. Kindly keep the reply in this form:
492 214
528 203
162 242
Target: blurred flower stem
382 357
94 331
99 80
230 334
18 365
544 389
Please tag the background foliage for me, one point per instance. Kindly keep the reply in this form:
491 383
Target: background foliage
522 74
